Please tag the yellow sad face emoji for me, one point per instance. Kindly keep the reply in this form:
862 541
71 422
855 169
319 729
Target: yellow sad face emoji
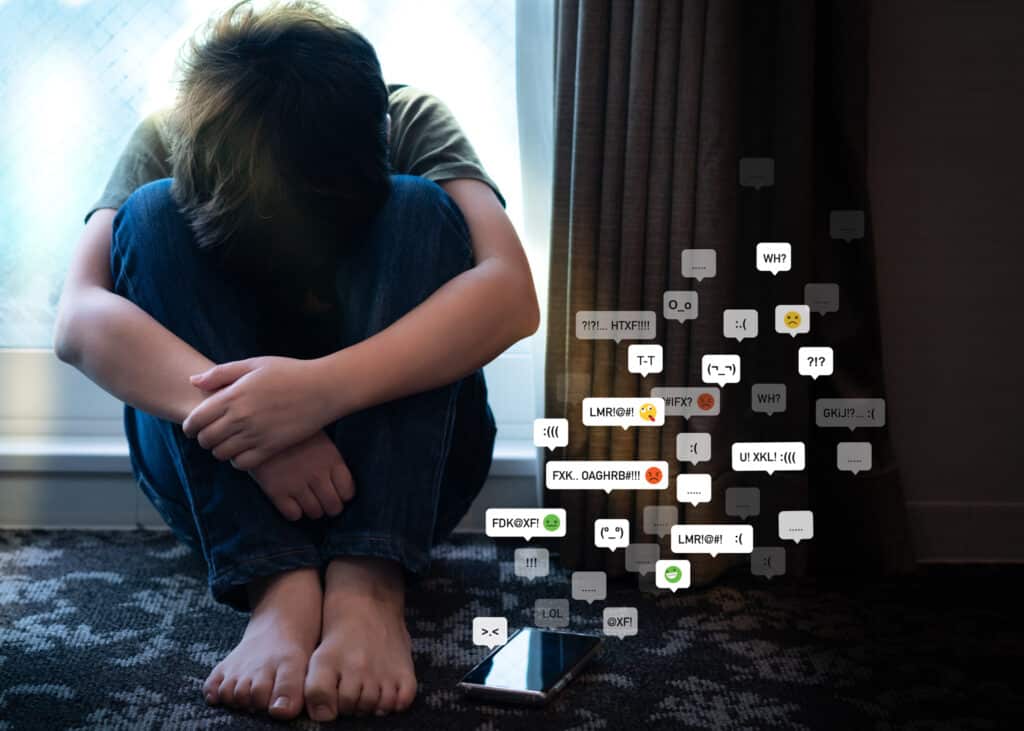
649 412
791 319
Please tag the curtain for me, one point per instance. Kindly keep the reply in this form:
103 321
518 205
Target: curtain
656 103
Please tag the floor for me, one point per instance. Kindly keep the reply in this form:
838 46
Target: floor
117 630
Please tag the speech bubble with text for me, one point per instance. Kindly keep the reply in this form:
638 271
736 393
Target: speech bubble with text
680 305
687 401
531 563
659 519
768 457
815 362
768 398
853 457
774 257
850 413
490 631
551 613
589 586
641 557
712 539
720 368
525 523
606 475
700 264
644 359
693 489
768 561
693 447
623 412
739 324
619 622
550 433
611 533
617 325
796 525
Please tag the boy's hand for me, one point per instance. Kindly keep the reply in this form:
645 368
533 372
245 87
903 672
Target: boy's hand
257 407
309 478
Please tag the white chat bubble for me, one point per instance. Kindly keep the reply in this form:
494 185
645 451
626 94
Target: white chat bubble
531 563
742 502
757 172
850 412
768 457
606 475
853 456
846 225
551 613
641 557
720 368
550 433
739 324
611 533
589 586
619 622
525 523
672 574
680 305
644 359
659 519
815 361
768 561
796 525
617 325
792 319
693 447
490 631
822 297
623 412
774 257
686 401
712 539
693 489
700 264
768 398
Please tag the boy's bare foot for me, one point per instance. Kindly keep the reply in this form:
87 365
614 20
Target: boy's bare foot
265 672
364 662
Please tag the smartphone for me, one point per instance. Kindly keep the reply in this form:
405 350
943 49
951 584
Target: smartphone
532 667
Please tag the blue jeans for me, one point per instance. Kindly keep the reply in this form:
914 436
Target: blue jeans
417 462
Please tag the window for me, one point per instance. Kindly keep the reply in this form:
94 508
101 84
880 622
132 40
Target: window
82 74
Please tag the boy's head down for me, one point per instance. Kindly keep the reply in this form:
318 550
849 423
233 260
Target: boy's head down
280 142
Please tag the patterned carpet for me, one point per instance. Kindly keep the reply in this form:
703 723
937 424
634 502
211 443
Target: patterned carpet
117 630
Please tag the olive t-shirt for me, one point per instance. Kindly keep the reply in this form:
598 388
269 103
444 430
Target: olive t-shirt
426 140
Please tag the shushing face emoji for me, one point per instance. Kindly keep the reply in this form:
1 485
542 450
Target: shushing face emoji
792 319
649 412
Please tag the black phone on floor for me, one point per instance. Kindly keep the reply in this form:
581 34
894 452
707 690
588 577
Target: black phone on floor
532 667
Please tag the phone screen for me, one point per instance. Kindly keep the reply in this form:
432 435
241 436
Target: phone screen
532 659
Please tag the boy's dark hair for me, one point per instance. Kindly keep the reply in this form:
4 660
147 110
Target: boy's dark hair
279 141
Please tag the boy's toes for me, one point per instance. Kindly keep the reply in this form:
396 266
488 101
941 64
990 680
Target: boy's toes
406 692
226 693
321 691
369 698
262 685
243 691
286 697
211 688
388 699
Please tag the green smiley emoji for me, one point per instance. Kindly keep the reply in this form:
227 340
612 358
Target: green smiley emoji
673 574
552 522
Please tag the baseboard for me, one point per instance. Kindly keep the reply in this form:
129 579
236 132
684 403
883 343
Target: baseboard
967 532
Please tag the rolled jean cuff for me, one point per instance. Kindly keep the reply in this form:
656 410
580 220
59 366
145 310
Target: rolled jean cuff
229 585
413 559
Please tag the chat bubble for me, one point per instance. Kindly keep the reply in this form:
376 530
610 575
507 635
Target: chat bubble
768 457
589 586
792 319
757 172
768 398
693 447
611 533
641 557
644 359
659 519
742 502
700 264
680 305
672 573
525 523
853 456
551 613
768 561
550 433
739 324
686 401
720 368
712 539
619 622
490 631
846 225
693 489
617 325
822 297
531 563
624 412
774 257
850 412
815 361
606 475
796 525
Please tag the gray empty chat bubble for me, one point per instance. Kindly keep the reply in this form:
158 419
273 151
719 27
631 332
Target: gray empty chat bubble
768 561
641 557
700 264
853 456
619 622
531 563
551 613
846 225
680 305
742 502
589 586
659 519
822 297
757 172
850 413
693 447
768 398
686 401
